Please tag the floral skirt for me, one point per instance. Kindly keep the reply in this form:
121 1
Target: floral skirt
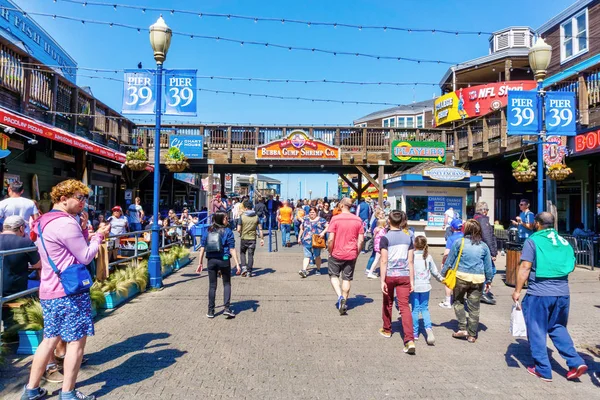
69 317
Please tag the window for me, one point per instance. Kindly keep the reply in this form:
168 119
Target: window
401 122
410 122
574 36
416 208
386 123
389 122
420 121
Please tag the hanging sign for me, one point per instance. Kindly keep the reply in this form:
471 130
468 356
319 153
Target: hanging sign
298 146
446 174
403 151
192 146
139 92
554 151
229 182
180 92
523 118
560 113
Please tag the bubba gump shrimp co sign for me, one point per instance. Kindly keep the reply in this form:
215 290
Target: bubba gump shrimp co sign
298 146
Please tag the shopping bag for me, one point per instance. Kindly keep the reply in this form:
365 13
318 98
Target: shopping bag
517 321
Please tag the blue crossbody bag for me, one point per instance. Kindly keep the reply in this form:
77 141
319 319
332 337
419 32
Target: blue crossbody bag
75 278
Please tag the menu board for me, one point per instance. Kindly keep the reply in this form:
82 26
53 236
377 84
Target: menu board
437 206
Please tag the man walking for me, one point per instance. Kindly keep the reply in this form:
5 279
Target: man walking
248 226
261 212
15 204
136 215
487 233
346 236
284 218
546 262
525 220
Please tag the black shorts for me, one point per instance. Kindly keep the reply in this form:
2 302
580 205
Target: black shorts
345 267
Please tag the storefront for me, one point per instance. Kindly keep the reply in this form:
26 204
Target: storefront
426 191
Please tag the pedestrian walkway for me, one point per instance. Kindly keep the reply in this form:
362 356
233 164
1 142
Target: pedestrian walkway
288 341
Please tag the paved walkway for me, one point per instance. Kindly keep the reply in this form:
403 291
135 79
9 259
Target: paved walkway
288 341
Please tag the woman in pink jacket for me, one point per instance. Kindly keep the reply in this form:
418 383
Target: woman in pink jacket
66 317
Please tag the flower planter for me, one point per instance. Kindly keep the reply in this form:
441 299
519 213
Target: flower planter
177 166
524 176
94 312
29 341
182 262
113 300
136 165
167 270
559 174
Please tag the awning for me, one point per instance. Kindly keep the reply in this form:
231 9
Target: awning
36 127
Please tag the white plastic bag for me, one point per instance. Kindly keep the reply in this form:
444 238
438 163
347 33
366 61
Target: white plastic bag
517 321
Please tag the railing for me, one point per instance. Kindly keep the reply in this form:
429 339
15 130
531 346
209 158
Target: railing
583 248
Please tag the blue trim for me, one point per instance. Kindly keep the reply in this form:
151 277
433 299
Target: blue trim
457 184
410 179
564 74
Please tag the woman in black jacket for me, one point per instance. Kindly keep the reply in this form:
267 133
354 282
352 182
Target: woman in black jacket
487 233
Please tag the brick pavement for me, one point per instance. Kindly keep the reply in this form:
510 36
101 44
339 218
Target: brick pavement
288 341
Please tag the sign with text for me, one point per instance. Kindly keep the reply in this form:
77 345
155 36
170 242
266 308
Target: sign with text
476 101
298 146
522 113
417 152
560 113
139 92
180 92
586 142
192 146
25 32
447 174
437 206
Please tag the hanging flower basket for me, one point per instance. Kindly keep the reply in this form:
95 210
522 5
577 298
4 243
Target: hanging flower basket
523 171
524 176
136 165
177 166
559 172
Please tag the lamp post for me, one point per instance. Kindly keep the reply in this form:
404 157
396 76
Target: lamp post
251 194
160 40
539 59
310 194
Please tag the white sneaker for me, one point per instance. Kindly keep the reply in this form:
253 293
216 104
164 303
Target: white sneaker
445 304
430 339
372 276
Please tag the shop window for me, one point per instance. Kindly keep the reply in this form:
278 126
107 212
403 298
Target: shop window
416 208
420 121
410 122
389 123
385 123
574 36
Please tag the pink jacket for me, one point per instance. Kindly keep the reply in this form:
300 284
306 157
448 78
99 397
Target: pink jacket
67 244
379 233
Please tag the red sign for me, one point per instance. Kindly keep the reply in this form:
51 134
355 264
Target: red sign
587 141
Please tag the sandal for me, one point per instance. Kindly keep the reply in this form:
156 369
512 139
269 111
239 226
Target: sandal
460 335
471 339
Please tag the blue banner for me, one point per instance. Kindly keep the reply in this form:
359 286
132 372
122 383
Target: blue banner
192 146
560 113
522 113
139 92
180 92
25 33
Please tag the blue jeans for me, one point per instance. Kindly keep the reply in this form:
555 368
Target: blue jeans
135 227
420 304
371 260
285 233
548 315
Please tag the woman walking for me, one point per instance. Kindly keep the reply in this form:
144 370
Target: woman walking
312 225
63 242
471 259
219 246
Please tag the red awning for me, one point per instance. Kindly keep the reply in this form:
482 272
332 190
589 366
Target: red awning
35 127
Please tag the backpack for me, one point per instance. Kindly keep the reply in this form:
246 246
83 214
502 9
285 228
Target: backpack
214 244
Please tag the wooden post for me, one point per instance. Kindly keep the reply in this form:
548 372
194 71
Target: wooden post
92 121
584 106
209 189
469 141
222 182
74 106
364 132
360 190
229 155
26 87
503 134
456 147
311 132
507 67
54 98
380 185
486 136
336 140
257 137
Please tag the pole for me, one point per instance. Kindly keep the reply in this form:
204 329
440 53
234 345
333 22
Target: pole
154 267
327 189
300 196
540 151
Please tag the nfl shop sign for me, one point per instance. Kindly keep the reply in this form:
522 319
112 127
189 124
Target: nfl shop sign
475 101
297 146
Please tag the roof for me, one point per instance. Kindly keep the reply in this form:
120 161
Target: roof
512 52
265 178
417 169
408 109
567 12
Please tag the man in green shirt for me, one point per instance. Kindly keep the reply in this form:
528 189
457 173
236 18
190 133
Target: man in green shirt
248 228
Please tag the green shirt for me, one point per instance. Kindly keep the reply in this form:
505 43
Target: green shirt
554 256
249 225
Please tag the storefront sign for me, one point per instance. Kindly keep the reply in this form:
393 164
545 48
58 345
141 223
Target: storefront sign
297 146
180 92
446 174
418 151
64 157
186 177
475 100
437 206
192 146
587 141
26 32
554 150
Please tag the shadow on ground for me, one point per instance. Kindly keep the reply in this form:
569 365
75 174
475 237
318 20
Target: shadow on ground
357 301
189 277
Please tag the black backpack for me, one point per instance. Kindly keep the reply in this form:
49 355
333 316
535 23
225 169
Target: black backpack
214 243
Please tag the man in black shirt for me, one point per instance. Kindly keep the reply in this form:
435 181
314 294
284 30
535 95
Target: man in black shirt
261 212
16 266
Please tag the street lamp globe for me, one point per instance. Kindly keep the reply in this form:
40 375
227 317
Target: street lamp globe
251 180
539 58
160 39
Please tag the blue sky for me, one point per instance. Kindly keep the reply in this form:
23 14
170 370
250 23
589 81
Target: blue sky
115 48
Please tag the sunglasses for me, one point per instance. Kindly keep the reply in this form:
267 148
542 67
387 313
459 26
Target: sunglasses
522 204
80 197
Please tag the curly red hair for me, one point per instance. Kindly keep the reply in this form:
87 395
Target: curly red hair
68 188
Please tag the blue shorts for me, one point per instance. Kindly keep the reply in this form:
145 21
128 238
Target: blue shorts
310 252
69 317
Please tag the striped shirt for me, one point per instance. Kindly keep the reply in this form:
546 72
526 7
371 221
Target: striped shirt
397 243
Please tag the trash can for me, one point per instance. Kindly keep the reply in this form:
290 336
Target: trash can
513 260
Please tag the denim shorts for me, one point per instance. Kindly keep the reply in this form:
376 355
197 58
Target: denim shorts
310 252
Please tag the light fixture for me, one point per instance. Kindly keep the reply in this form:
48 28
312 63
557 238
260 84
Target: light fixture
539 58
160 39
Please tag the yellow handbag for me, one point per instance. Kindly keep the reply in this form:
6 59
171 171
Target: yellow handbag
450 279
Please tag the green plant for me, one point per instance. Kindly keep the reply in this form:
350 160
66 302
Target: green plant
28 316
179 252
174 154
167 258
523 165
97 296
139 155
